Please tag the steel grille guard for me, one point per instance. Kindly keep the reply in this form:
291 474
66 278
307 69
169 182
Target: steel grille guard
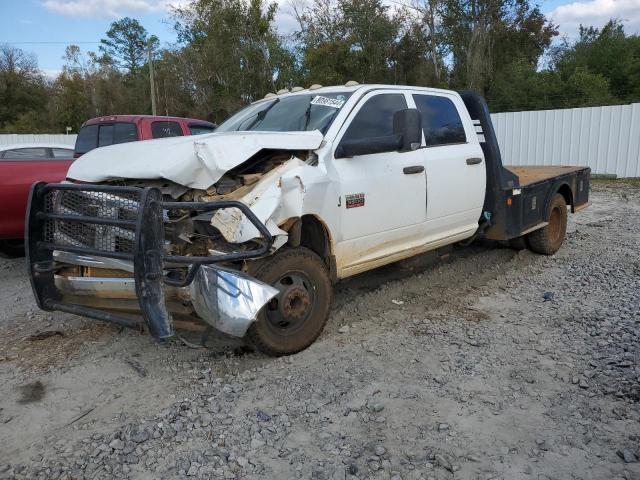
147 255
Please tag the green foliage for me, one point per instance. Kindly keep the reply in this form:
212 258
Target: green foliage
232 53
22 88
126 45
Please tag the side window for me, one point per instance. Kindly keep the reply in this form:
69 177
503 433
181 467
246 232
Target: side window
87 139
105 136
165 129
200 129
26 154
125 132
62 153
375 118
440 120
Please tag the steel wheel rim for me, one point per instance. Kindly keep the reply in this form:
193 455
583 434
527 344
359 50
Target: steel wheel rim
290 309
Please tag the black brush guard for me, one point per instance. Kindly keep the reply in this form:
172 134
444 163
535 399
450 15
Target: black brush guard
138 212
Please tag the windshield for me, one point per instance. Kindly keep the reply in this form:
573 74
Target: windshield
295 113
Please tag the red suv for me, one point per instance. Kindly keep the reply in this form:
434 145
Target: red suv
103 131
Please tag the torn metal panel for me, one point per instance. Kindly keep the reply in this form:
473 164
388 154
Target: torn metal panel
228 300
280 195
195 162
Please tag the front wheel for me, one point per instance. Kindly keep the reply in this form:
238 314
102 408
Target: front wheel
294 318
548 240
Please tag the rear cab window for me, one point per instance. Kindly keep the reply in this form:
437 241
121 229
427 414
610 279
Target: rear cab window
125 132
87 139
104 134
105 137
163 129
441 122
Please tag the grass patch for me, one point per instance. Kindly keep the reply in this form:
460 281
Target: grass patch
632 181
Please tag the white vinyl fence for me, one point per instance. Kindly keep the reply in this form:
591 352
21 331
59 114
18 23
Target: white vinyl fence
607 139
11 138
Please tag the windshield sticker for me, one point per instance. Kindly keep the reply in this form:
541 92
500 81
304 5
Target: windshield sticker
327 102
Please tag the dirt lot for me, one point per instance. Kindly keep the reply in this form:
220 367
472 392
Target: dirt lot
496 364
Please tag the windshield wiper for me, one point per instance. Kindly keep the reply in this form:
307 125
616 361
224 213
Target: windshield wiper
261 114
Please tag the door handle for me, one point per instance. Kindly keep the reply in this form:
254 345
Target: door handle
414 169
474 161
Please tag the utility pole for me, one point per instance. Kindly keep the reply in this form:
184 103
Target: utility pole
151 79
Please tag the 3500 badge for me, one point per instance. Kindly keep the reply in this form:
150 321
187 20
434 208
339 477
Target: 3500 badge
355 200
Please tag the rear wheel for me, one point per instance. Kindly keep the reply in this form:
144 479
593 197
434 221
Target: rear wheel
293 319
548 240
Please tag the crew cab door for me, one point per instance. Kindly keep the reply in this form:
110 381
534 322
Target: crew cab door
454 163
383 195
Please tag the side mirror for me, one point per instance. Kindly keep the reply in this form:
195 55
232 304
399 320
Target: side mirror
407 124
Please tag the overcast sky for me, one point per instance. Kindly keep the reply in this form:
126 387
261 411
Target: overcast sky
45 27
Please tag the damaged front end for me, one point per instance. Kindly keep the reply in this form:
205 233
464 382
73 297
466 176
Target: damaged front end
100 251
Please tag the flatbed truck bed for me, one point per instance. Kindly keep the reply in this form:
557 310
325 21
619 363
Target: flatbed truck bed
533 174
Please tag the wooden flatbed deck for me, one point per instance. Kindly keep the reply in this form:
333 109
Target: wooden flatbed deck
529 175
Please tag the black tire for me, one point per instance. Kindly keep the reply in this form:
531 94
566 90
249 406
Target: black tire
518 243
548 240
292 320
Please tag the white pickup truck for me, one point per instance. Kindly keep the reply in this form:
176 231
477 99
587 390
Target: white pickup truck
244 230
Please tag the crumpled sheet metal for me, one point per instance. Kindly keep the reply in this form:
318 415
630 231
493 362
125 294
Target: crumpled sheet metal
278 196
228 300
192 161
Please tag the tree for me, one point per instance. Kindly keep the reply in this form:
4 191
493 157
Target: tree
343 40
489 36
126 45
22 87
232 54
608 52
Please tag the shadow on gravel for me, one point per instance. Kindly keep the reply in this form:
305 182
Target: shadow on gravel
488 254
31 392
11 248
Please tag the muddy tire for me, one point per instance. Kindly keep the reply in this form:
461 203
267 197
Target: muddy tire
548 240
292 320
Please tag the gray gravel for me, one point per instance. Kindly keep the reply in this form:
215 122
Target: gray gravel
489 364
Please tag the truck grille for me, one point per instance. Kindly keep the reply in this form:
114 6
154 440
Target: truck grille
101 205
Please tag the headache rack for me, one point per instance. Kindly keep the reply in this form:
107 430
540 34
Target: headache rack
123 223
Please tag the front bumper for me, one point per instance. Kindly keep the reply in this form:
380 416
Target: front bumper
122 228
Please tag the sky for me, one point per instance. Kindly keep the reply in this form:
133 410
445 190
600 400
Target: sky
46 27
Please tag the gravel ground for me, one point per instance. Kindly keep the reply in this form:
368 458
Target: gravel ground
488 364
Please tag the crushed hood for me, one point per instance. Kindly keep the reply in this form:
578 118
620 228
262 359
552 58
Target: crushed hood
194 161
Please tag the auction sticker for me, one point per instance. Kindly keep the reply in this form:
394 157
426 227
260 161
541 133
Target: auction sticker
327 102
